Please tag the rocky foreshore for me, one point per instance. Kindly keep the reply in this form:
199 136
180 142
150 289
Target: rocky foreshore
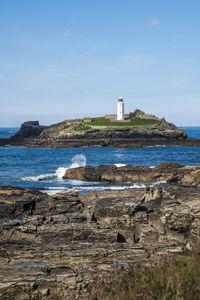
75 133
60 246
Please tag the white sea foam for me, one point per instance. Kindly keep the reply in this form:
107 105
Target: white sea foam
96 188
60 172
120 165
93 146
52 190
56 188
155 146
79 160
119 155
9 131
77 182
158 183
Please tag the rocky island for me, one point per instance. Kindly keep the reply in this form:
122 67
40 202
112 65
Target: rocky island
136 130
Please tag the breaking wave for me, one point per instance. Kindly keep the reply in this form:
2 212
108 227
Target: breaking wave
41 177
79 160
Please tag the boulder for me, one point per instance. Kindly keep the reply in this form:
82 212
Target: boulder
166 172
127 174
30 129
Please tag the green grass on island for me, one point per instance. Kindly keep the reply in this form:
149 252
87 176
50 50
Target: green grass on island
175 279
82 127
139 119
133 122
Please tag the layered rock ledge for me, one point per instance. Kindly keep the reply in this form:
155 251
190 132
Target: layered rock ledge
57 247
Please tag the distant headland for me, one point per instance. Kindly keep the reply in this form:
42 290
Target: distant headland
135 129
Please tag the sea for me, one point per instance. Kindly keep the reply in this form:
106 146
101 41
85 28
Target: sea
43 169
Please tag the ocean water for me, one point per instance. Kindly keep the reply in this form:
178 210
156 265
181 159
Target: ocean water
43 168
7 132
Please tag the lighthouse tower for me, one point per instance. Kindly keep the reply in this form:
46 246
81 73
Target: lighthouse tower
120 109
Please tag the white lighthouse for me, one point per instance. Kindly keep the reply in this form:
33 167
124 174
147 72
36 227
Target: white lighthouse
120 109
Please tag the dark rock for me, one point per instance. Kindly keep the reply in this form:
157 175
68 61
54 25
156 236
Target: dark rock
30 129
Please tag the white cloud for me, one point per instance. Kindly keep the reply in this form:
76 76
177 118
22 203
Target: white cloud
154 22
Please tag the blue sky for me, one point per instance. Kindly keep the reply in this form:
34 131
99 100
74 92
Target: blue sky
62 59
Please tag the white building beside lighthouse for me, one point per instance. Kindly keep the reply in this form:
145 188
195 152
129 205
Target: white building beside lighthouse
120 109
